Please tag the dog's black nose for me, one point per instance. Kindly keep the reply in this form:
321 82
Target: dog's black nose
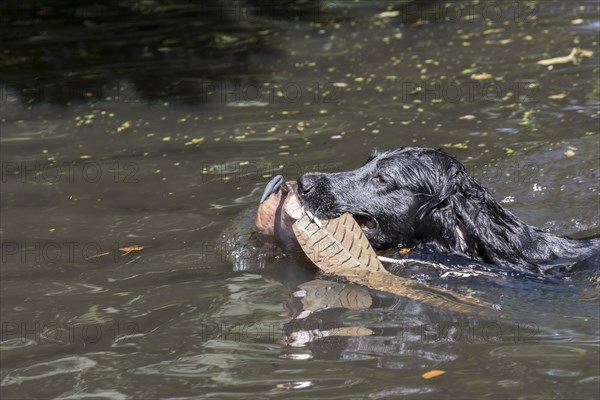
305 184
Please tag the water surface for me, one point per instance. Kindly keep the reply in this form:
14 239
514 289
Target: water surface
158 128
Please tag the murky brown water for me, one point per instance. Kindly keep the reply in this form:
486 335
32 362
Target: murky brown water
175 161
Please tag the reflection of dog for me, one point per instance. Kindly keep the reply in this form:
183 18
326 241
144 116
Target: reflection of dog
416 196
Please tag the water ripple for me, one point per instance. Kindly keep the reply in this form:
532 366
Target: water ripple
67 365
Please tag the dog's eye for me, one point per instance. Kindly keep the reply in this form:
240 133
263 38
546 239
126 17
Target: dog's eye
380 179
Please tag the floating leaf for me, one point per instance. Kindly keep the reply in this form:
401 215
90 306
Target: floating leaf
558 96
433 373
130 249
481 77
575 57
194 141
419 22
389 14
560 60
125 125
464 145
96 256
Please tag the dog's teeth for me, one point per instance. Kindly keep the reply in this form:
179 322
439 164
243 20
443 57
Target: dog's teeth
318 222
299 293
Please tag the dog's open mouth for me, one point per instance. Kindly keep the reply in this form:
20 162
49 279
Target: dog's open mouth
368 224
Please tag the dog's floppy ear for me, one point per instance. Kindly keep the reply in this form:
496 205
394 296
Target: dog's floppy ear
467 230
443 186
455 217
437 201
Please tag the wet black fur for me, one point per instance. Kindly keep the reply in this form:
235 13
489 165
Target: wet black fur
424 197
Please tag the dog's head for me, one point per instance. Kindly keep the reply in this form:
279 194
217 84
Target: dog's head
412 196
393 196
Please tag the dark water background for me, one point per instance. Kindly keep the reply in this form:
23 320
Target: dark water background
157 124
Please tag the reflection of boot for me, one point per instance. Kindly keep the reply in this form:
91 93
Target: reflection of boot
320 295
301 338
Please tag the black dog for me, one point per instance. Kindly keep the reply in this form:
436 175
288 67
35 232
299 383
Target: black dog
423 197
